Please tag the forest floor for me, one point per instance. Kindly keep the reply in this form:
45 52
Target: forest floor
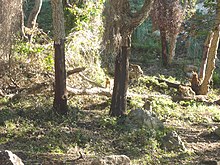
29 128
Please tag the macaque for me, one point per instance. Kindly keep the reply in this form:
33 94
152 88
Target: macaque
186 91
135 72
195 82
147 105
107 83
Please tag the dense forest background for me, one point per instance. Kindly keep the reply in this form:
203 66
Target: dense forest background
110 81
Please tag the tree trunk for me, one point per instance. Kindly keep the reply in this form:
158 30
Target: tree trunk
32 19
119 96
211 54
121 23
22 22
206 49
164 47
60 98
172 46
1 12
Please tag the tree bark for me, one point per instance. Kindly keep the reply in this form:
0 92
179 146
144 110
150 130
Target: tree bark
120 26
164 47
22 22
211 54
119 96
32 19
206 48
60 98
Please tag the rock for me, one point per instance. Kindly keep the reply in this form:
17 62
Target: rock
209 162
173 142
112 160
7 157
139 118
217 131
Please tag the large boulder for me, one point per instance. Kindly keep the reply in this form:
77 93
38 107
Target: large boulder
139 118
8 158
112 160
173 142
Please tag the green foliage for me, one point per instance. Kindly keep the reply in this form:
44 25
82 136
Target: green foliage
136 102
108 122
81 15
137 141
144 39
152 84
34 55
27 49
216 79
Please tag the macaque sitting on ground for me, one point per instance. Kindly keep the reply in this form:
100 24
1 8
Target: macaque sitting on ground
195 82
186 91
135 72
107 83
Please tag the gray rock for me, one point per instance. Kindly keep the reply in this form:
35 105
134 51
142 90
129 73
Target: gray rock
217 131
173 142
112 160
209 162
143 118
8 158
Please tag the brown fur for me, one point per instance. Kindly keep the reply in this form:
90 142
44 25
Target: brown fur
107 83
186 91
135 71
195 82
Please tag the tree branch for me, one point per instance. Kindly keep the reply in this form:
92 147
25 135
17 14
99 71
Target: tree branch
137 18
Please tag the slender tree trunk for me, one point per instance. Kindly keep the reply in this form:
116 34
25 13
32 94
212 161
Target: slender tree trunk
60 98
206 49
32 19
172 46
212 54
164 47
22 22
213 41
